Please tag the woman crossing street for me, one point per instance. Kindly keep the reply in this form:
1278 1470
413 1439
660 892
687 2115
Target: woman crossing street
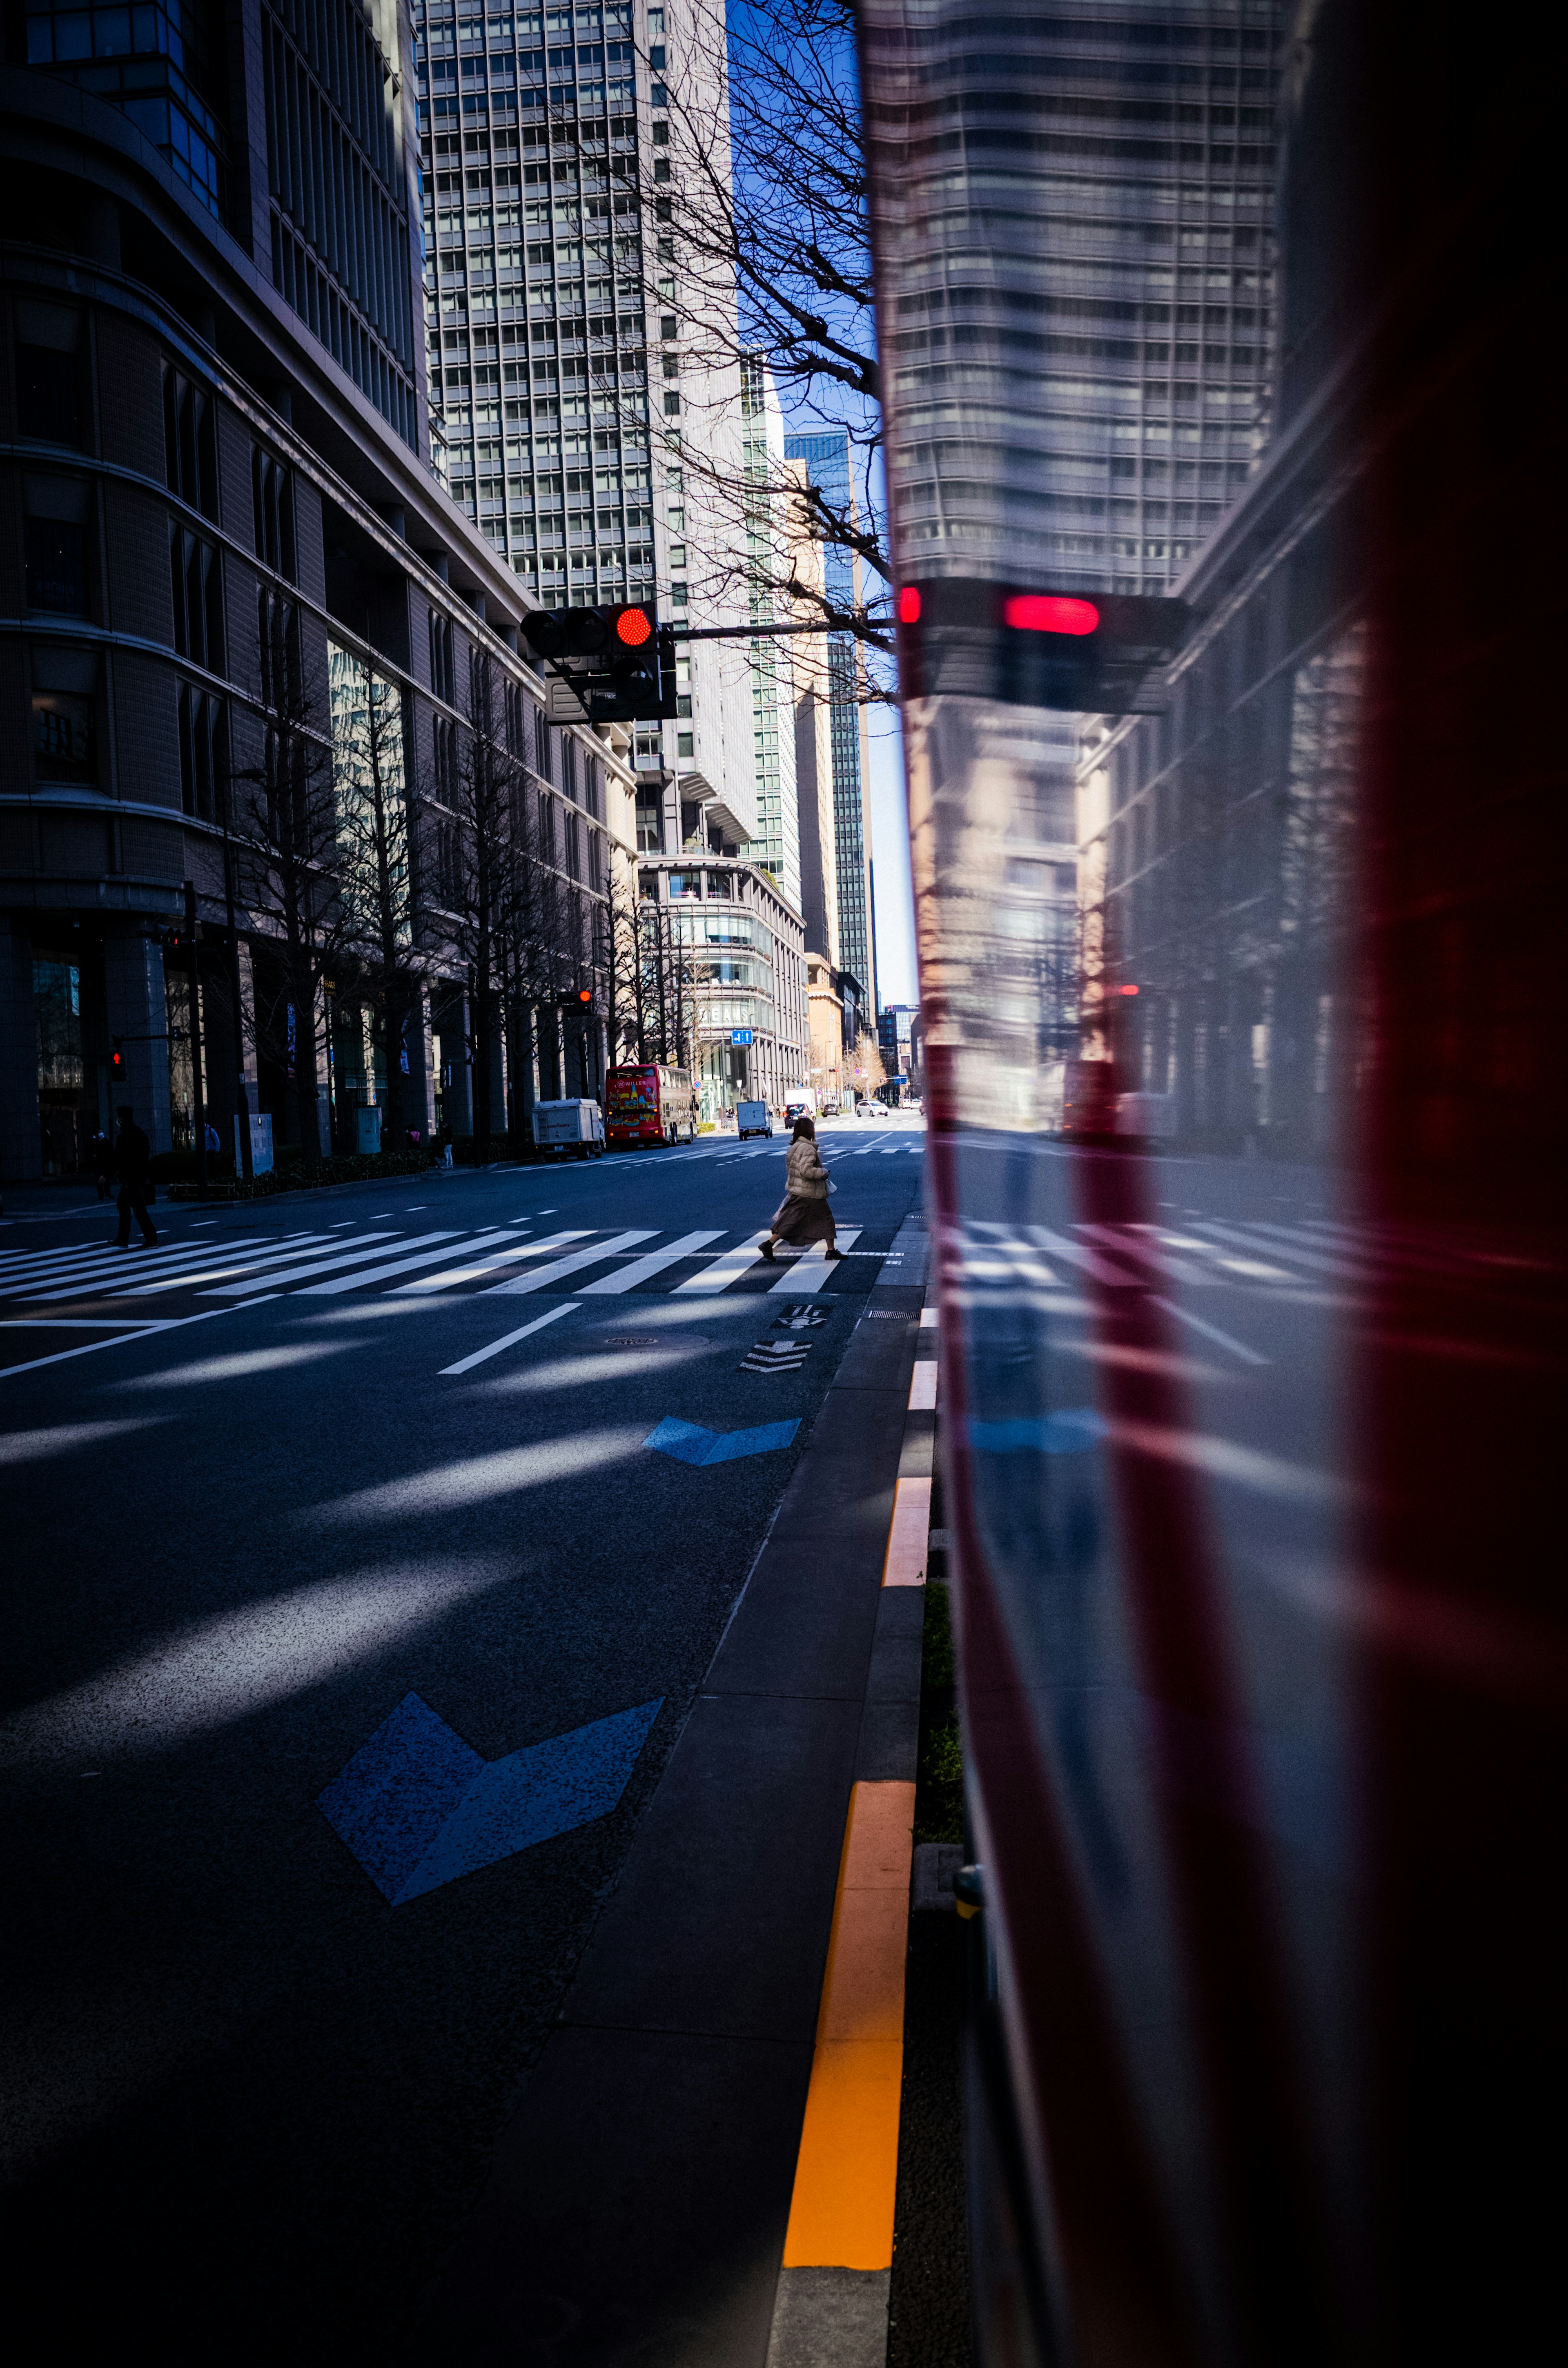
803 1216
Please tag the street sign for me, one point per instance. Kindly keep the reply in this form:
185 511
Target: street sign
743 1036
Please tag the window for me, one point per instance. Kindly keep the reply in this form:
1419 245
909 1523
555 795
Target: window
64 736
49 372
444 753
200 728
441 656
685 745
57 565
570 783
672 405
272 499
190 442
516 706
198 585
541 743
546 829
277 649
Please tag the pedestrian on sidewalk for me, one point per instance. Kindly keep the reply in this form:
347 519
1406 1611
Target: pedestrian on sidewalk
133 1155
803 1216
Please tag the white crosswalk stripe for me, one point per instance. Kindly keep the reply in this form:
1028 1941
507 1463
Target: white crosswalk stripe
395 1266
573 1265
642 1269
811 1270
471 1271
721 1272
339 1260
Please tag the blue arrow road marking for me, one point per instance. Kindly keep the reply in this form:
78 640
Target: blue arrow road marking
1071 1432
689 1443
418 1809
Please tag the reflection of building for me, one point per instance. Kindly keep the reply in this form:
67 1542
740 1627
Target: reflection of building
745 951
211 394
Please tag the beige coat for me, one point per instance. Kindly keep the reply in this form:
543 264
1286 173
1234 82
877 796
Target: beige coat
807 1177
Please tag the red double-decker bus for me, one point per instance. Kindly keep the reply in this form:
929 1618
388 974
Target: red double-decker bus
645 1102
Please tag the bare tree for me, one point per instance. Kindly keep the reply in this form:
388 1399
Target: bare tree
376 870
481 891
763 224
285 816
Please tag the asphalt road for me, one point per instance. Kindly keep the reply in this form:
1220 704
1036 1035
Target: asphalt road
249 2096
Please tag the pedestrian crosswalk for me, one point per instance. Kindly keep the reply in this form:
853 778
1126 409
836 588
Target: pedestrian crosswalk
1314 1260
505 1261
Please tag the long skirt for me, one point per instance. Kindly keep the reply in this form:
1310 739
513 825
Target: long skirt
800 1222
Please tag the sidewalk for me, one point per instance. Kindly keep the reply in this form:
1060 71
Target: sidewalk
638 2201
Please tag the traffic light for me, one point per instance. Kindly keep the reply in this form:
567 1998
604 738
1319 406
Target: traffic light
580 1003
1090 652
117 1059
619 660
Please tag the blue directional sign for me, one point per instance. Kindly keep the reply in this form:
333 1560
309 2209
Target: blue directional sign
417 1807
689 1443
743 1036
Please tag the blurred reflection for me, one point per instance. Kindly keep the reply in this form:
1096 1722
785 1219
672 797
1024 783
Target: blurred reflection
1241 1006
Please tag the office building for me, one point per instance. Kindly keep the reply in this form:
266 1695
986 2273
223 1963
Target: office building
826 457
741 947
234 568
580 409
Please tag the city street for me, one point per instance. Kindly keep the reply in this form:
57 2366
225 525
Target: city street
367 1446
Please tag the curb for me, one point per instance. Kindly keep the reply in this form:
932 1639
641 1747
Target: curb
834 2284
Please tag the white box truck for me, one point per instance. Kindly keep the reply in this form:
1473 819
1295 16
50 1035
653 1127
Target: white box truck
752 1117
564 1128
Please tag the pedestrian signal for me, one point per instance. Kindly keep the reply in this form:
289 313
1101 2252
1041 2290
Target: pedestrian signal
617 660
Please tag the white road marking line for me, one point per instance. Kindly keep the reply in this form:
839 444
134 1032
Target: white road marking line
1153 1254
573 1265
923 1386
142 1331
64 1262
1210 1332
721 1272
809 1271
308 1246
397 1266
654 1263
84 1269
1098 1268
72 1323
1246 1238
103 1285
466 1364
493 1265
360 1257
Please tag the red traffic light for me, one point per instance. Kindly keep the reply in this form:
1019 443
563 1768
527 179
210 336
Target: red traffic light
1048 612
585 994
117 1060
909 605
633 626
1127 990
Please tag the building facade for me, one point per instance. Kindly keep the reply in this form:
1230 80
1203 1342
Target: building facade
825 455
742 950
241 616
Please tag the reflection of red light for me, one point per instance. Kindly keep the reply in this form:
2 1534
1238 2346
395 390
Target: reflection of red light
632 627
1127 990
909 606
1049 612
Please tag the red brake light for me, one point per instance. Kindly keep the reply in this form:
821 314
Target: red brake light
633 627
909 605
1049 612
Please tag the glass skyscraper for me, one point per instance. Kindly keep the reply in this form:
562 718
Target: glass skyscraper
826 456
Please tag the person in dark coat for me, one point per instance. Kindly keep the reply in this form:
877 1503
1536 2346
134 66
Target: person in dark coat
803 1216
132 1156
